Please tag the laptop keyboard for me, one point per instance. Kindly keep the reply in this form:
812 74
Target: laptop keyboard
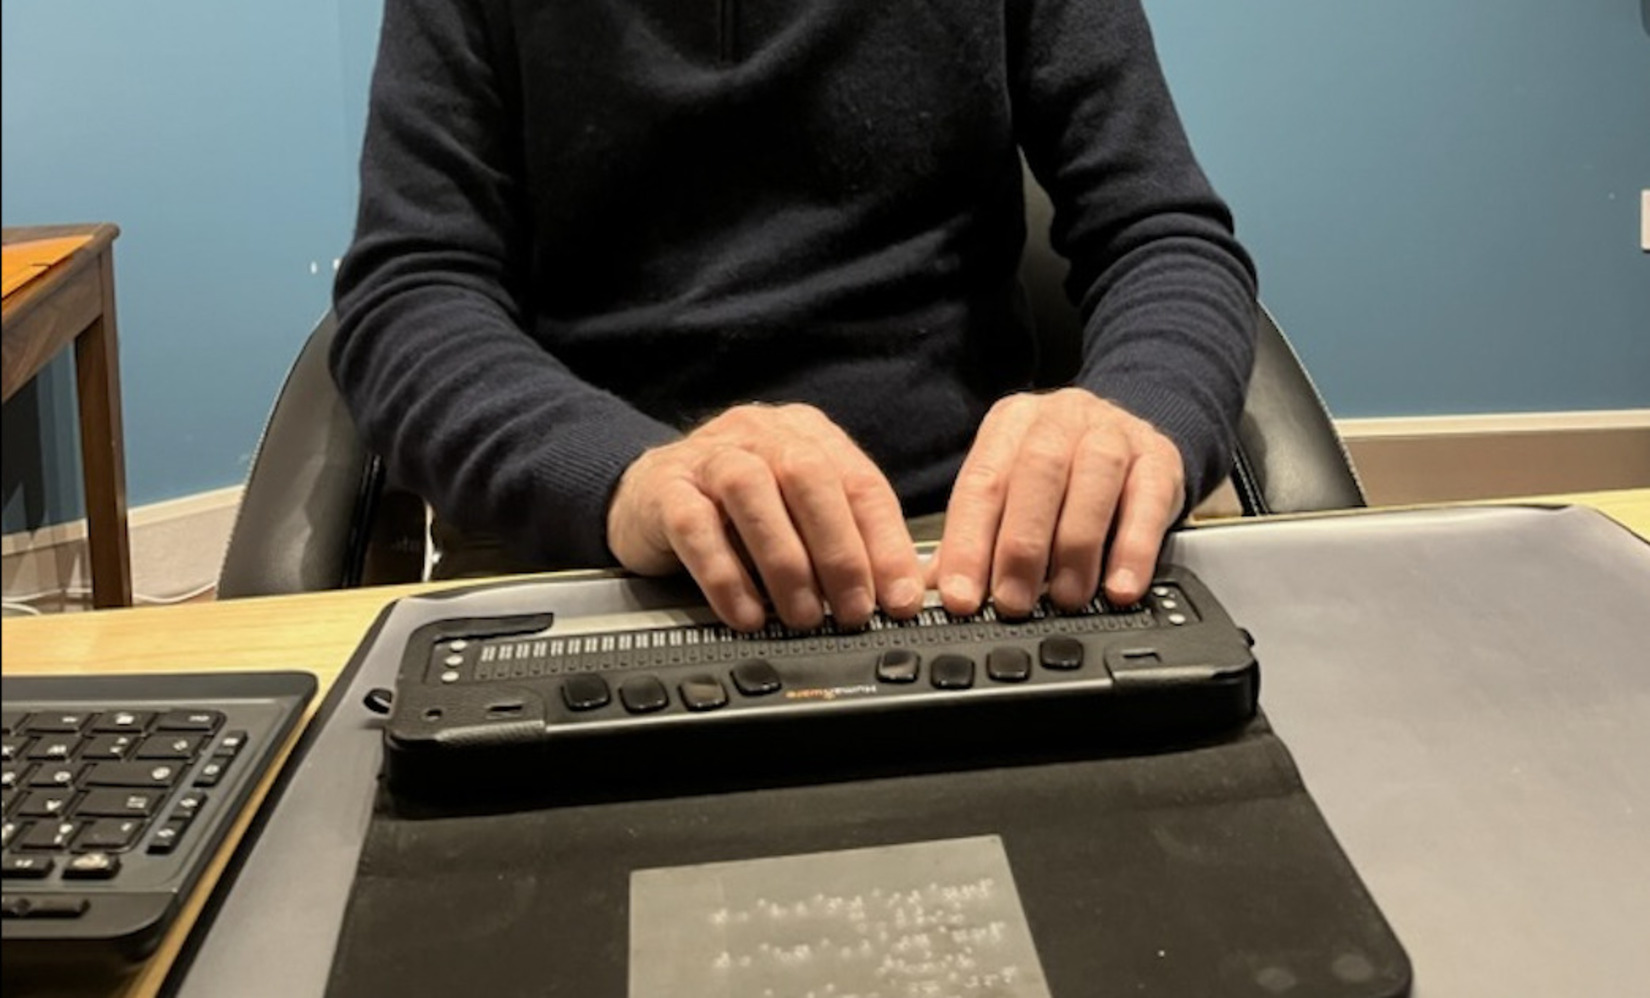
117 792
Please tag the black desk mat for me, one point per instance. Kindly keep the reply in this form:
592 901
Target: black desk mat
1202 871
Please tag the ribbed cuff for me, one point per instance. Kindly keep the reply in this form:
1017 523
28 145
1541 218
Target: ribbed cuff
1204 443
576 481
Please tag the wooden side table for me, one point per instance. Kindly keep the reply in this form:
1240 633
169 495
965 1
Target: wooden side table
74 302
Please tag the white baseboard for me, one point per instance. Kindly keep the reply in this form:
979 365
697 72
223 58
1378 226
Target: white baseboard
177 549
1492 456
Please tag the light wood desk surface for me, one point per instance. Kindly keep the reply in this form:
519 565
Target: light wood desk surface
317 633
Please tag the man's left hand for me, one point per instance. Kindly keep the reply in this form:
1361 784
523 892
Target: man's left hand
1049 479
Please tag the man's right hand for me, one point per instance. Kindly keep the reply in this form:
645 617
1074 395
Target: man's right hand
785 486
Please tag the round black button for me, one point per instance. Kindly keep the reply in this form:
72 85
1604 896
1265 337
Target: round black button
1062 652
1008 665
643 695
898 665
755 676
951 672
585 691
703 692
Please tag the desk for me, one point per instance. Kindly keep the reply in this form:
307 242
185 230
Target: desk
318 632
74 302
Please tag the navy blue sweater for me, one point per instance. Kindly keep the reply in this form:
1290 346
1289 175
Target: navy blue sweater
587 224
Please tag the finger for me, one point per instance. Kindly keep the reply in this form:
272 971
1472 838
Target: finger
814 494
1097 475
895 571
976 506
743 486
1036 490
694 530
896 576
1151 498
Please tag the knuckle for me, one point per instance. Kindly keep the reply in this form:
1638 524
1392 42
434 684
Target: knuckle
802 412
982 480
785 568
1010 406
799 463
680 520
1021 550
731 471
863 487
840 564
1048 444
1105 452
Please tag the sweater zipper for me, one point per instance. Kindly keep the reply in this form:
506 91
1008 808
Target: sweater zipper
727 30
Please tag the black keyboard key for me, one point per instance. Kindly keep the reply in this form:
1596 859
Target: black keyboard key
56 722
118 804
123 722
189 720
898 665
114 747
1008 665
47 835
951 672
585 691
11 721
210 774
1060 652
156 775
703 692
53 748
166 837
643 695
189 805
7 799
109 833
12 747
53 775
8 831
756 677
170 746
13 867
45 803
12 777
230 745
91 866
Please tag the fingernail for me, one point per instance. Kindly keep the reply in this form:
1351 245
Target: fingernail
960 590
1067 588
806 610
749 615
1012 596
904 594
1122 581
857 604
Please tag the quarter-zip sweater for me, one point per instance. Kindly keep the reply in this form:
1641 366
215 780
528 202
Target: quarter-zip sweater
587 224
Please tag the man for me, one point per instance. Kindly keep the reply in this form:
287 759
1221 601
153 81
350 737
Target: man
730 287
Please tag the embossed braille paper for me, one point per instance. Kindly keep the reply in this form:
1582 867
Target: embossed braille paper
931 919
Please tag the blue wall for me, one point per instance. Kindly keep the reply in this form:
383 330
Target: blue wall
1442 198
214 134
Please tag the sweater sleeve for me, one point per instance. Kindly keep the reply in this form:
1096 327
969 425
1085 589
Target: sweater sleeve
1166 292
432 356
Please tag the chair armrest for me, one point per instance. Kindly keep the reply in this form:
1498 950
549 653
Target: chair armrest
302 515
1289 459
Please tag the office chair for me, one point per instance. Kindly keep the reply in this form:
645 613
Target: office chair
317 514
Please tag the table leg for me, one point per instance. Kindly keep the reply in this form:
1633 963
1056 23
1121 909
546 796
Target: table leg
102 455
